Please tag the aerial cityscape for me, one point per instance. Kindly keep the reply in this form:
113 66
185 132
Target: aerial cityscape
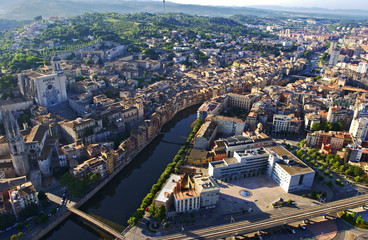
183 120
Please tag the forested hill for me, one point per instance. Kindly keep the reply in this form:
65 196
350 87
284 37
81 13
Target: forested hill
6 24
129 28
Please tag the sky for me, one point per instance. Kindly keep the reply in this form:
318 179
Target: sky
332 4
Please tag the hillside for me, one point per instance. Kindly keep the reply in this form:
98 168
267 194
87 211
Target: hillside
27 9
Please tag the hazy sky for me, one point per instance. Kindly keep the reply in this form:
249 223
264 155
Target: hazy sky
333 4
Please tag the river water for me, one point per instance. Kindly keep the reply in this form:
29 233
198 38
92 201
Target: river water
118 200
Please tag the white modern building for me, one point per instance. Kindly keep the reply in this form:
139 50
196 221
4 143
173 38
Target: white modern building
281 123
208 190
359 128
240 142
243 162
289 171
281 165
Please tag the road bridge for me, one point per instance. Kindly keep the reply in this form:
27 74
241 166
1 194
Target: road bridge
97 223
273 221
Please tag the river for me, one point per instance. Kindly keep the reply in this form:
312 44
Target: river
118 200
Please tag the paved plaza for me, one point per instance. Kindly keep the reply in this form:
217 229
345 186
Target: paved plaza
264 192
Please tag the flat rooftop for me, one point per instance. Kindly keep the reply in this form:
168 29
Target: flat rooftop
218 163
206 182
252 152
168 188
231 160
208 106
206 130
186 194
237 140
295 165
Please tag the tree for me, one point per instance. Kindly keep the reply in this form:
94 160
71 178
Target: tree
29 211
6 220
316 127
357 179
94 178
329 184
75 185
337 126
37 18
42 196
160 212
132 221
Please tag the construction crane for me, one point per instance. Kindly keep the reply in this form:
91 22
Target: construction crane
44 66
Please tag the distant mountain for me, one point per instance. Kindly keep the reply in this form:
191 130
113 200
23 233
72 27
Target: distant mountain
28 9
349 12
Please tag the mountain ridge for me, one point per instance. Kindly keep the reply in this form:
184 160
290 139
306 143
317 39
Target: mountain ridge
27 9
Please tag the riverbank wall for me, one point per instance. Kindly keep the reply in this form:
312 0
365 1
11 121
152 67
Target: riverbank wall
52 224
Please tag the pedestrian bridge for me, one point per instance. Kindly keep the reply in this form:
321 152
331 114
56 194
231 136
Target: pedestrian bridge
97 223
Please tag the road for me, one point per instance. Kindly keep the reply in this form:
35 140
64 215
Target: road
272 221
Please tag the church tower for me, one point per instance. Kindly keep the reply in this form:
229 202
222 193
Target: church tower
56 64
16 144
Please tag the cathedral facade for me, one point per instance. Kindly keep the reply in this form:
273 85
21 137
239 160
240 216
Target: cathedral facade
46 89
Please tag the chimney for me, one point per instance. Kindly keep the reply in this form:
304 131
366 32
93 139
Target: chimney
178 186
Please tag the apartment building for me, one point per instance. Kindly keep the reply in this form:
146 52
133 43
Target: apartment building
205 135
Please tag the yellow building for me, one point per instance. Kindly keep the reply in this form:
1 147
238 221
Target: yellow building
199 156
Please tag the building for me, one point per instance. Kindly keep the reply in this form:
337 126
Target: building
228 125
279 164
337 140
334 56
111 158
241 101
79 128
165 197
243 163
200 156
46 89
285 124
186 197
94 165
14 104
39 147
288 171
338 114
6 164
205 135
359 128
6 184
208 108
16 144
240 142
208 190
22 196
353 153
310 119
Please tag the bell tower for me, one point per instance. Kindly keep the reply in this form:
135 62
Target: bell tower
56 64
16 144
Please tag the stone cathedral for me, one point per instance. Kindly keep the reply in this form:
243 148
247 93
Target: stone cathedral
46 89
